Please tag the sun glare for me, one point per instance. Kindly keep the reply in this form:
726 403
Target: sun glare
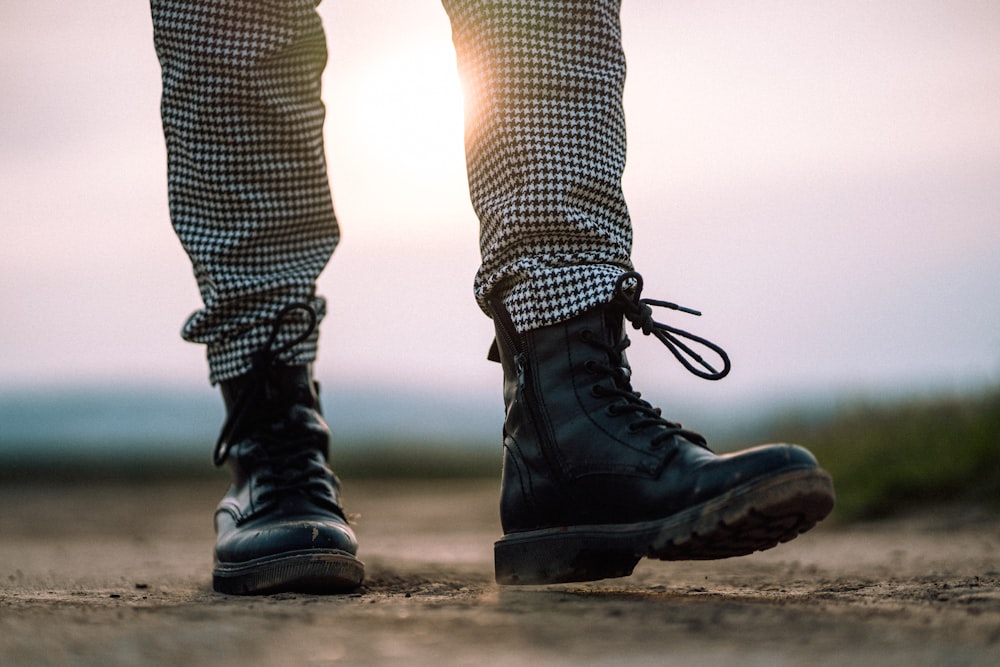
396 137
409 110
414 100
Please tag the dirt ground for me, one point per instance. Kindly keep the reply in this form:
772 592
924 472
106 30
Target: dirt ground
119 574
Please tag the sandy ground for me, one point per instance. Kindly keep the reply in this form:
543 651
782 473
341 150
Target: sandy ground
120 575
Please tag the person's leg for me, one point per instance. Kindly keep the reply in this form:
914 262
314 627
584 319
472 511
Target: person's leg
545 146
250 202
594 477
249 196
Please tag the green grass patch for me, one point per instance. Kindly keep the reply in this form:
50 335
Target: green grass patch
886 458
420 460
167 462
891 458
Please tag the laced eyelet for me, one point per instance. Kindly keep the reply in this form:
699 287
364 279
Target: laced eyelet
586 335
590 366
597 391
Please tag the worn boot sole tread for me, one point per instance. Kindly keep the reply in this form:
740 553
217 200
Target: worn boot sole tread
309 571
751 517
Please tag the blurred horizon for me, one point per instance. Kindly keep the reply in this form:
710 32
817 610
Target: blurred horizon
91 423
822 180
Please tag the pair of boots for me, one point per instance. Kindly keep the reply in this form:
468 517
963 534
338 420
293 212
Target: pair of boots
594 478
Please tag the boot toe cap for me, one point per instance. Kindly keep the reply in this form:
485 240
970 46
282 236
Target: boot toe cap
276 536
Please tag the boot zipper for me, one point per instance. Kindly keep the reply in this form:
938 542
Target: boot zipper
509 334
546 445
519 363
505 323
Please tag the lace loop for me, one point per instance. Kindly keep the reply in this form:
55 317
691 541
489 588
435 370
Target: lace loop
257 376
639 313
268 354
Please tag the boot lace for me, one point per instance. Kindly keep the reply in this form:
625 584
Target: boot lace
288 468
631 401
639 313
257 385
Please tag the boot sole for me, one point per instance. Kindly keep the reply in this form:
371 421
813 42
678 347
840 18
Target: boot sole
310 571
752 517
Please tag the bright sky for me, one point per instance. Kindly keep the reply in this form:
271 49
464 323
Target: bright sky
822 179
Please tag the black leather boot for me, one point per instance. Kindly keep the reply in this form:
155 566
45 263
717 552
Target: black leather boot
594 478
280 527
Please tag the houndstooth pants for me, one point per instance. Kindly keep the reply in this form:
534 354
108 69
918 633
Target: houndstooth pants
248 189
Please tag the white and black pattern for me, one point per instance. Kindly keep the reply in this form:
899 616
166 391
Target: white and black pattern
249 195
545 145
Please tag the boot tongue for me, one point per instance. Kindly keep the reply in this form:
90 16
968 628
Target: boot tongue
614 333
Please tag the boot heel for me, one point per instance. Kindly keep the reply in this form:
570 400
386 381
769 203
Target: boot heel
555 557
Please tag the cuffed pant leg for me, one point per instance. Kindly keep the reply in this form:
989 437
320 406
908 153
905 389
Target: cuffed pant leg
248 189
545 147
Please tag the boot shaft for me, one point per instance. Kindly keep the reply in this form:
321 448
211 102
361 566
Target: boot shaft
280 401
565 431
277 443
